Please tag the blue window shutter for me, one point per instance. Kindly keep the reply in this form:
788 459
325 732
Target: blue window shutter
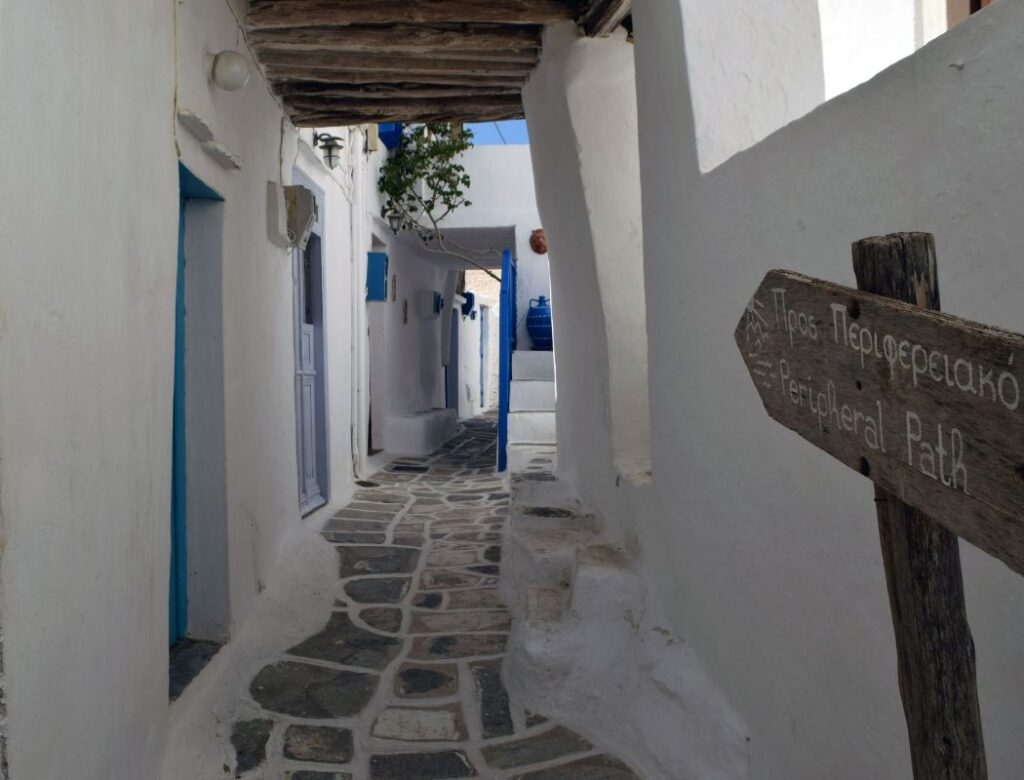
377 276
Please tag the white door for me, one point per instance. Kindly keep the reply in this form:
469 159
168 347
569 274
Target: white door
310 387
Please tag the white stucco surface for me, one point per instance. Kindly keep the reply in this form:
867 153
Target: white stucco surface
765 550
754 65
861 37
87 257
502 195
89 248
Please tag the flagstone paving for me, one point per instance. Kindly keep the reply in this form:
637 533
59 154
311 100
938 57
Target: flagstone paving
404 681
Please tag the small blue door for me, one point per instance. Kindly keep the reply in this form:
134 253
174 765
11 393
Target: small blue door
507 331
189 187
179 575
485 335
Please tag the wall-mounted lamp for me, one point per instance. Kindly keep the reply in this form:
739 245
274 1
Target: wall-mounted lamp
332 146
395 218
230 71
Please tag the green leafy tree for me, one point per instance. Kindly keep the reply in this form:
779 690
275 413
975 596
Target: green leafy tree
424 183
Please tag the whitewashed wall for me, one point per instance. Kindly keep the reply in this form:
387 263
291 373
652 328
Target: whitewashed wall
88 238
258 329
861 37
88 248
502 195
765 550
405 339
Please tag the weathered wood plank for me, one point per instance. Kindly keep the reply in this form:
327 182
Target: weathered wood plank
392 92
399 38
315 13
282 78
928 405
602 17
388 63
408 106
388 113
935 651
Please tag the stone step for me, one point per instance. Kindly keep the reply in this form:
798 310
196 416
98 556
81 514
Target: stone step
540 488
552 518
546 603
531 428
533 365
531 457
532 395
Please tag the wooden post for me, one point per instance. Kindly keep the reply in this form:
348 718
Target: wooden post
935 650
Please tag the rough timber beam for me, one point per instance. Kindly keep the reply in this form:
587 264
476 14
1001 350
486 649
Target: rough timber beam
350 112
399 38
299 93
314 13
604 16
387 63
283 76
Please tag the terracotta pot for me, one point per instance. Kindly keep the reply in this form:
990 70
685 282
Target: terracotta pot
539 242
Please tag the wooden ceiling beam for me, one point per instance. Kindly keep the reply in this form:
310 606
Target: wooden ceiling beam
284 77
399 38
462 109
602 17
265 14
389 63
368 92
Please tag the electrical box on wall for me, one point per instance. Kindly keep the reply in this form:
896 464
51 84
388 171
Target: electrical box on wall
376 276
301 208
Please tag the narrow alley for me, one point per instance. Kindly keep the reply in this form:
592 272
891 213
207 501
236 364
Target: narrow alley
511 389
404 682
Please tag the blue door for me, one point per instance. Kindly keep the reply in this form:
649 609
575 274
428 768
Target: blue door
179 576
507 331
485 335
189 188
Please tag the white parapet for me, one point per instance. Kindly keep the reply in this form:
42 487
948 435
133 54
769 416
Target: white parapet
419 434
533 365
532 395
531 428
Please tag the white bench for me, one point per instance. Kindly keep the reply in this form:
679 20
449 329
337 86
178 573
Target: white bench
420 433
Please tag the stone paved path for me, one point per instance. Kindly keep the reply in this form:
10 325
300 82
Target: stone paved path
404 681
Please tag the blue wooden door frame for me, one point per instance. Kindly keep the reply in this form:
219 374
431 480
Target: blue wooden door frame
189 188
507 331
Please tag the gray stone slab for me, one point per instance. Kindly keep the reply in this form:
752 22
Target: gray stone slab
249 738
387 619
546 746
321 744
382 516
421 724
495 715
420 681
384 590
457 646
592 768
447 765
306 691
354 561
483 598
343 537
459 622
443 579
343 642
428 600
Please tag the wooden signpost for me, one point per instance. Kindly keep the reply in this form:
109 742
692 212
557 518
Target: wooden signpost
930 408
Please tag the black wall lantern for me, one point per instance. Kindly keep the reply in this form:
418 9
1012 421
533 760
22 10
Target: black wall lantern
331 145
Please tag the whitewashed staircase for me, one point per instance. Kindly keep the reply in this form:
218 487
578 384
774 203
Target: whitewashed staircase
531 417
